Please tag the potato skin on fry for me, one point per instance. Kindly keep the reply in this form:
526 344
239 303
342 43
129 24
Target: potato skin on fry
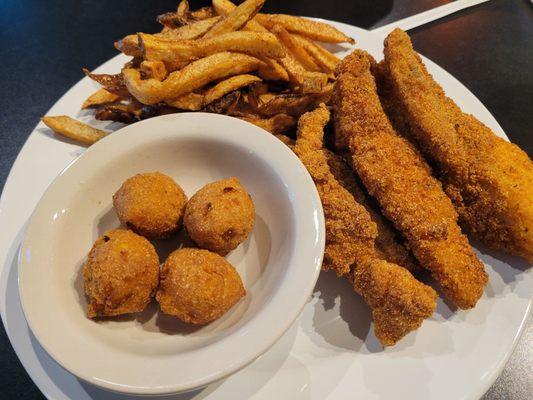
190 78
220 216
120 275
198 286
306 27
151 204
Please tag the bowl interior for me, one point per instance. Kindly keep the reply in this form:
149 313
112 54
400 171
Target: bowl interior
78 208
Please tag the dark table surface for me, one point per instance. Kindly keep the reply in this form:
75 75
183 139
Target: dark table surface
44 45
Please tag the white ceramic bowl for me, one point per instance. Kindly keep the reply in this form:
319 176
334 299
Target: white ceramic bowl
150 353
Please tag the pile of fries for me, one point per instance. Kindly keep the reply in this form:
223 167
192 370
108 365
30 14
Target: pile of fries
266 69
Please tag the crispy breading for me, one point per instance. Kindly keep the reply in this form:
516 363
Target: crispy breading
399 178
489 180
387 243
398 301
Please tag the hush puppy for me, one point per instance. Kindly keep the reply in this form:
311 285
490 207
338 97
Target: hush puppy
150 204
198 286
121 274
220 216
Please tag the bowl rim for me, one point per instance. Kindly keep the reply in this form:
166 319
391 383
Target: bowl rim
308 221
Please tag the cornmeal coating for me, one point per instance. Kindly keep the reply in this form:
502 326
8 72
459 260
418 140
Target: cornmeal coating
121 274
401 181
489 180
398 301
220 216
198 286
151 204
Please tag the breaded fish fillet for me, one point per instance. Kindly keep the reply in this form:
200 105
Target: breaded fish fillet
489 180
399 178
388 245
398 301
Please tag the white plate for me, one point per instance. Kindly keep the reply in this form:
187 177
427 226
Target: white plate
331 352
145 354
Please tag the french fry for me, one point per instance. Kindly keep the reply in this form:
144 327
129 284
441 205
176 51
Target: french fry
182 13
73 129
292 104
129 45
176 54
304 81
116 112
311 29
202 13
191 31
225 7
112 83
276 125
196 101
154 70
98 98
295 48
224 105
228 85
237 18
175 19
272 70
322 57
190 101
190 78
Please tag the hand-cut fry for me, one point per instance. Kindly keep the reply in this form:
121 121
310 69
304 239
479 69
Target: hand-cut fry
190 101
322 57
202 13
295 48
118 113
272 70
129 45
73 129
312 29
98 98
304 81
191 31
154 69
112 83
176 54
175 19
277 125
196 101
237 18
182 12
229 85
225 105
293 103
193 76
225 7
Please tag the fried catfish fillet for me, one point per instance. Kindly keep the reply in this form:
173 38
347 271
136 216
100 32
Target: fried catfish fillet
489 180
398 301
398 177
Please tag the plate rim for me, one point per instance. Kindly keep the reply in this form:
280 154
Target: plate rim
43 382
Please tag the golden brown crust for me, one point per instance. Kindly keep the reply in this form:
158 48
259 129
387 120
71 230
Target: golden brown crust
198 286
399 302
220 216
397 176
151 204
120 275
387 243
489 180
350 232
